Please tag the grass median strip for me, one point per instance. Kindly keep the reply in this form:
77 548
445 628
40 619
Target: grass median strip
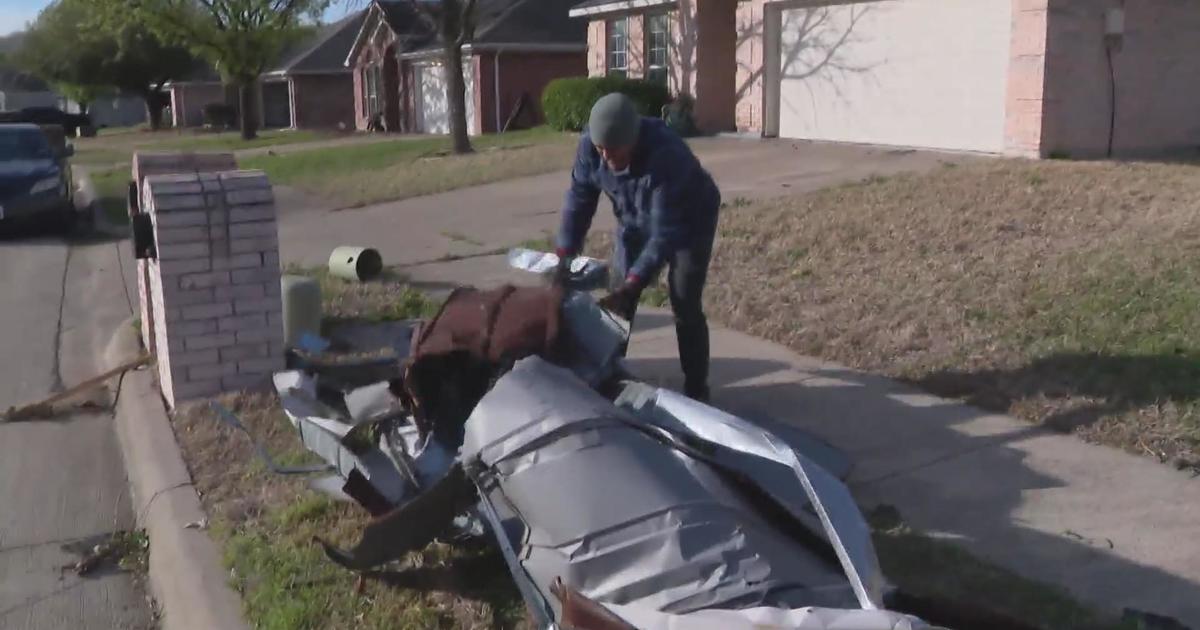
369 173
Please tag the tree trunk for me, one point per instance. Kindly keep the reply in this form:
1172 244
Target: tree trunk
456 91
247 111
154 109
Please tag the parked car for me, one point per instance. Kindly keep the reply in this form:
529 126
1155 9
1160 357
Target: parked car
70 123
35 177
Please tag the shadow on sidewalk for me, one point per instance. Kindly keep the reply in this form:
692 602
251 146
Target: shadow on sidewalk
948 467
1078 389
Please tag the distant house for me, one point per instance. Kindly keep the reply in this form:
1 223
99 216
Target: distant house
19 90
1020 77
519 47
310 87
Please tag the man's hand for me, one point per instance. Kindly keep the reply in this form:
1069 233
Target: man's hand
621 302
562 272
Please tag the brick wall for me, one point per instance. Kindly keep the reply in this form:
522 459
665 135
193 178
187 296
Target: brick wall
188 101
1026 79
213 289
748 81
521 73
596 46
372 52
1156 70
323 101
703 55
716 64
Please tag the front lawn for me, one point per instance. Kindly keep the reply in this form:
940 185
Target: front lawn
266 522
1064 293
353 176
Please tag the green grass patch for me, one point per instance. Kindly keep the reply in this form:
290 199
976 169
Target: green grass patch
544 243
459 237
389 297
927 567
655 295
232 140
360 174
112 189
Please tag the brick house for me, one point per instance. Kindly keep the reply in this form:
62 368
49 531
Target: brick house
519 47
309 88
1018 77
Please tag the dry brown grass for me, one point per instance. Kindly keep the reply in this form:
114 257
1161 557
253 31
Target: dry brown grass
1065 293
266 523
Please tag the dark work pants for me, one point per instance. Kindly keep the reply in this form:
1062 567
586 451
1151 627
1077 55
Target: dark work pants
687 271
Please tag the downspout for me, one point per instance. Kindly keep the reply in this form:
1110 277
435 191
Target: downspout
496 86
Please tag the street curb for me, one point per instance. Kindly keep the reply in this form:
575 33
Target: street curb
186 577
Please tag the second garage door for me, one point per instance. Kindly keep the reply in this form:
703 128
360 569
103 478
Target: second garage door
434 112
921 73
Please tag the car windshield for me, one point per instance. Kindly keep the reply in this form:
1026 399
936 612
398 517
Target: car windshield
23 144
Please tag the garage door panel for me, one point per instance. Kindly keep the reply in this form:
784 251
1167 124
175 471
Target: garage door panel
926 73
435 107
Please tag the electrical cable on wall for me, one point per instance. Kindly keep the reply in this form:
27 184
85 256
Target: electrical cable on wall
1114 37
1112 98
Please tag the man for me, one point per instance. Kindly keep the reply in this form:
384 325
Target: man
666 207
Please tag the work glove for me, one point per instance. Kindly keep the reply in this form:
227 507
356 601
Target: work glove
622 301
562 272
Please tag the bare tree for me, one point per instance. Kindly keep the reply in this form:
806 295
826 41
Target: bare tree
454 22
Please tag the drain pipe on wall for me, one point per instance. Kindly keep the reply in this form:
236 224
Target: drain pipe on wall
496 85
1114 37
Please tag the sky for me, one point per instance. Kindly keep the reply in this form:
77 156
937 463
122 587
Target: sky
14 14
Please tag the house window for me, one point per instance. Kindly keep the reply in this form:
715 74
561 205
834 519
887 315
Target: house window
372 83
658 34
618 46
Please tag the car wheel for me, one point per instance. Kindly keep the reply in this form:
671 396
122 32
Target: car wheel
66 221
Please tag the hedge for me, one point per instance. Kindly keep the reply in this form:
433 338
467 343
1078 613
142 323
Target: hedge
568 102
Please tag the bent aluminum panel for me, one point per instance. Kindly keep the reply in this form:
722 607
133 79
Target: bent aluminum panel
625 517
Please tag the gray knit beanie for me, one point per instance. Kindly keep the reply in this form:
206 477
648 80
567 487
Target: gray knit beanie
614 121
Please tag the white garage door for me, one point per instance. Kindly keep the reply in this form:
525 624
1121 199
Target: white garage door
922 73
434 114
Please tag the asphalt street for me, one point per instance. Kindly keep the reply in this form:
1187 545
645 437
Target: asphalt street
62 482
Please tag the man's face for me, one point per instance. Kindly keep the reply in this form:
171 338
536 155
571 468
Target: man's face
617 158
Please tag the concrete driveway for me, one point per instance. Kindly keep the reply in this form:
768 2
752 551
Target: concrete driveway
471 221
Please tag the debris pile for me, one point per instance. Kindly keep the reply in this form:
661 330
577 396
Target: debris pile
615 504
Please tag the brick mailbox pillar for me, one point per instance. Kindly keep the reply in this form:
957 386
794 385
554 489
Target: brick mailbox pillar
213 294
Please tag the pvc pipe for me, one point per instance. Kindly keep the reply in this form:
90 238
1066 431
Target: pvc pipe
355 263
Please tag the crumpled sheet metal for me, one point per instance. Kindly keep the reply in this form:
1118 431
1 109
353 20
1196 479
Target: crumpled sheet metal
768 619
625 518
841 521
596 338
323 435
